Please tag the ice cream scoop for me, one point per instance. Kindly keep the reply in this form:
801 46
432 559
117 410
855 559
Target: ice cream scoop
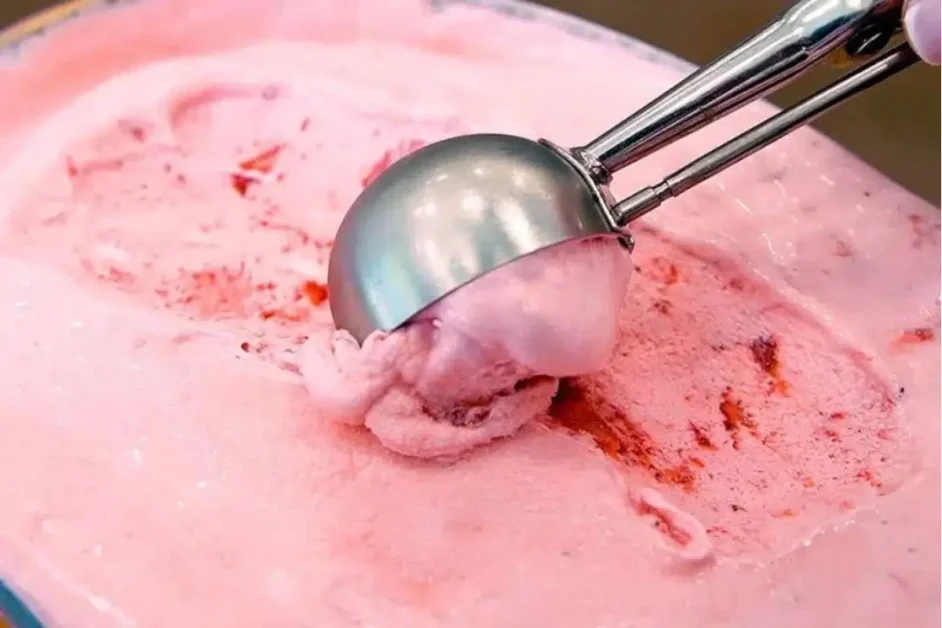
465 206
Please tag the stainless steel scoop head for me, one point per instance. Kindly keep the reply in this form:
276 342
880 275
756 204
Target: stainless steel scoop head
465 206
449 213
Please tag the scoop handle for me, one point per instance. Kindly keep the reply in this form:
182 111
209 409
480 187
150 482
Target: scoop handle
761 135
808 32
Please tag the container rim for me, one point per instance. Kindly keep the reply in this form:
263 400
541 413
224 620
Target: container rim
47 20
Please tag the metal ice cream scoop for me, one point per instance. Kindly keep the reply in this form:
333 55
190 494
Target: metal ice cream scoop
462 207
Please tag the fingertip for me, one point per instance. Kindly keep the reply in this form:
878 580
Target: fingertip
923 22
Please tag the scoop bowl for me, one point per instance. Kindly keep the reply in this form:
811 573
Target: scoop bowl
449 213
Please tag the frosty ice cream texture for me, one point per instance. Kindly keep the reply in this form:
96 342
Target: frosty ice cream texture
763 442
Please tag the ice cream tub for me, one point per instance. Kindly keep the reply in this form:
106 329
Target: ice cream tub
759 448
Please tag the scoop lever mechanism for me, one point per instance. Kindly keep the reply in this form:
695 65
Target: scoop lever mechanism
810 32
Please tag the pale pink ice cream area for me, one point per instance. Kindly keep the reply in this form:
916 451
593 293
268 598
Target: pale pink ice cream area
736 426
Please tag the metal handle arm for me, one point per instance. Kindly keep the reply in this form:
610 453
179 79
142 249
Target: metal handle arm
802 36
760 136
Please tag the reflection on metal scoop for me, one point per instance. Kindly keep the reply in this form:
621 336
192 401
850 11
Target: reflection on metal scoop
460 208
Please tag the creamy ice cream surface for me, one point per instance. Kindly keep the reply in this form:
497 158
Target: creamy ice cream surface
745 433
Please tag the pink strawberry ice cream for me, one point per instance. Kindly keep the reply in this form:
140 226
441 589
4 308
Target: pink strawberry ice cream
752 439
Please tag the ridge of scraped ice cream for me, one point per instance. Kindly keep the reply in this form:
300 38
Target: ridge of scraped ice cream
481 363
763 440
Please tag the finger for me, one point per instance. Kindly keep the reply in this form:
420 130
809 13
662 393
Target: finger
923 24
